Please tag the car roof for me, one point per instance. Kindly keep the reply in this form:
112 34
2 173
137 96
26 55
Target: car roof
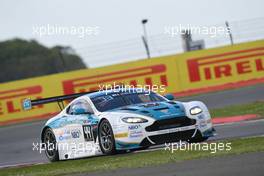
114 90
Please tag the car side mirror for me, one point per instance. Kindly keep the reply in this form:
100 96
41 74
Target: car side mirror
169 96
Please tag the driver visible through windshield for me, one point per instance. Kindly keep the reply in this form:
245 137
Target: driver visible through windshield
116 100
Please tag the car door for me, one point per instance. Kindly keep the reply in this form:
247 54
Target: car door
80 112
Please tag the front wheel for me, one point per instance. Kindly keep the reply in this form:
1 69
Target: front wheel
50 145
106 138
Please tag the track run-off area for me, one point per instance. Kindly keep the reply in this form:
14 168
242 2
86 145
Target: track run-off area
17 140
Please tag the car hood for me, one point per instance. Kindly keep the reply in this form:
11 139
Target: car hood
156 110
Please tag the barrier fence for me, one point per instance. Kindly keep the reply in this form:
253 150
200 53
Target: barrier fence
182 74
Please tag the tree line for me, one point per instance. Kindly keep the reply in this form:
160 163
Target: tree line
20 59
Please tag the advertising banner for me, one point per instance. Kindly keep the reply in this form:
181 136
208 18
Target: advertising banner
182 74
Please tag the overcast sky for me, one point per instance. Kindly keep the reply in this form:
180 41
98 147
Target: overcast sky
115 19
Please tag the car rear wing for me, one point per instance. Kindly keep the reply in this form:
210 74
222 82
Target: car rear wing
27 104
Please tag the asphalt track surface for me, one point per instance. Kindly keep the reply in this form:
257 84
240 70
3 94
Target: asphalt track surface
230 97
242 165
16 140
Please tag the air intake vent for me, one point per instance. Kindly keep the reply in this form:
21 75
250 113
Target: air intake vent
171 123
145 112
129 109
160 109
172 102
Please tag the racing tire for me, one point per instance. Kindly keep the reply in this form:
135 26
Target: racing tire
49 141
106 138
197 138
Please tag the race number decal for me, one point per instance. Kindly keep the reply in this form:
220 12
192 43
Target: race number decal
87 132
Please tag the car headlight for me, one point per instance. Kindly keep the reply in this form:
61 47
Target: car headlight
134 120
195 110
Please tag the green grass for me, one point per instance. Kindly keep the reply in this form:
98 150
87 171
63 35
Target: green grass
132 160
252 108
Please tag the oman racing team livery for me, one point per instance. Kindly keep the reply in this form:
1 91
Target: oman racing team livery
105 122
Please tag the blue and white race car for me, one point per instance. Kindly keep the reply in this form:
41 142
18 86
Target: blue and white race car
105 122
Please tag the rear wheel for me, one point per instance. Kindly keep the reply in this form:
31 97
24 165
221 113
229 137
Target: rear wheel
197 138
106 138
50 145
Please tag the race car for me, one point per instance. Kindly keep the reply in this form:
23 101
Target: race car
110 121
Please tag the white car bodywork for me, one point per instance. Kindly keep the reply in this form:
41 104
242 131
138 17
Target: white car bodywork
70 132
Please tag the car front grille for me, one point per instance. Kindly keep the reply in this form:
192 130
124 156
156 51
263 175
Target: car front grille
167 138
170 123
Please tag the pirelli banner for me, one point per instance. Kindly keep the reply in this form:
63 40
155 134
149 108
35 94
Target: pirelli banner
183 74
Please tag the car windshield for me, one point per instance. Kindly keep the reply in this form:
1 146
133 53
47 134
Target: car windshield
116 100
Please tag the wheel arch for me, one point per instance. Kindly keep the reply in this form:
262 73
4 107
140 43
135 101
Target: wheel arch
43 132
99 123
110 121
